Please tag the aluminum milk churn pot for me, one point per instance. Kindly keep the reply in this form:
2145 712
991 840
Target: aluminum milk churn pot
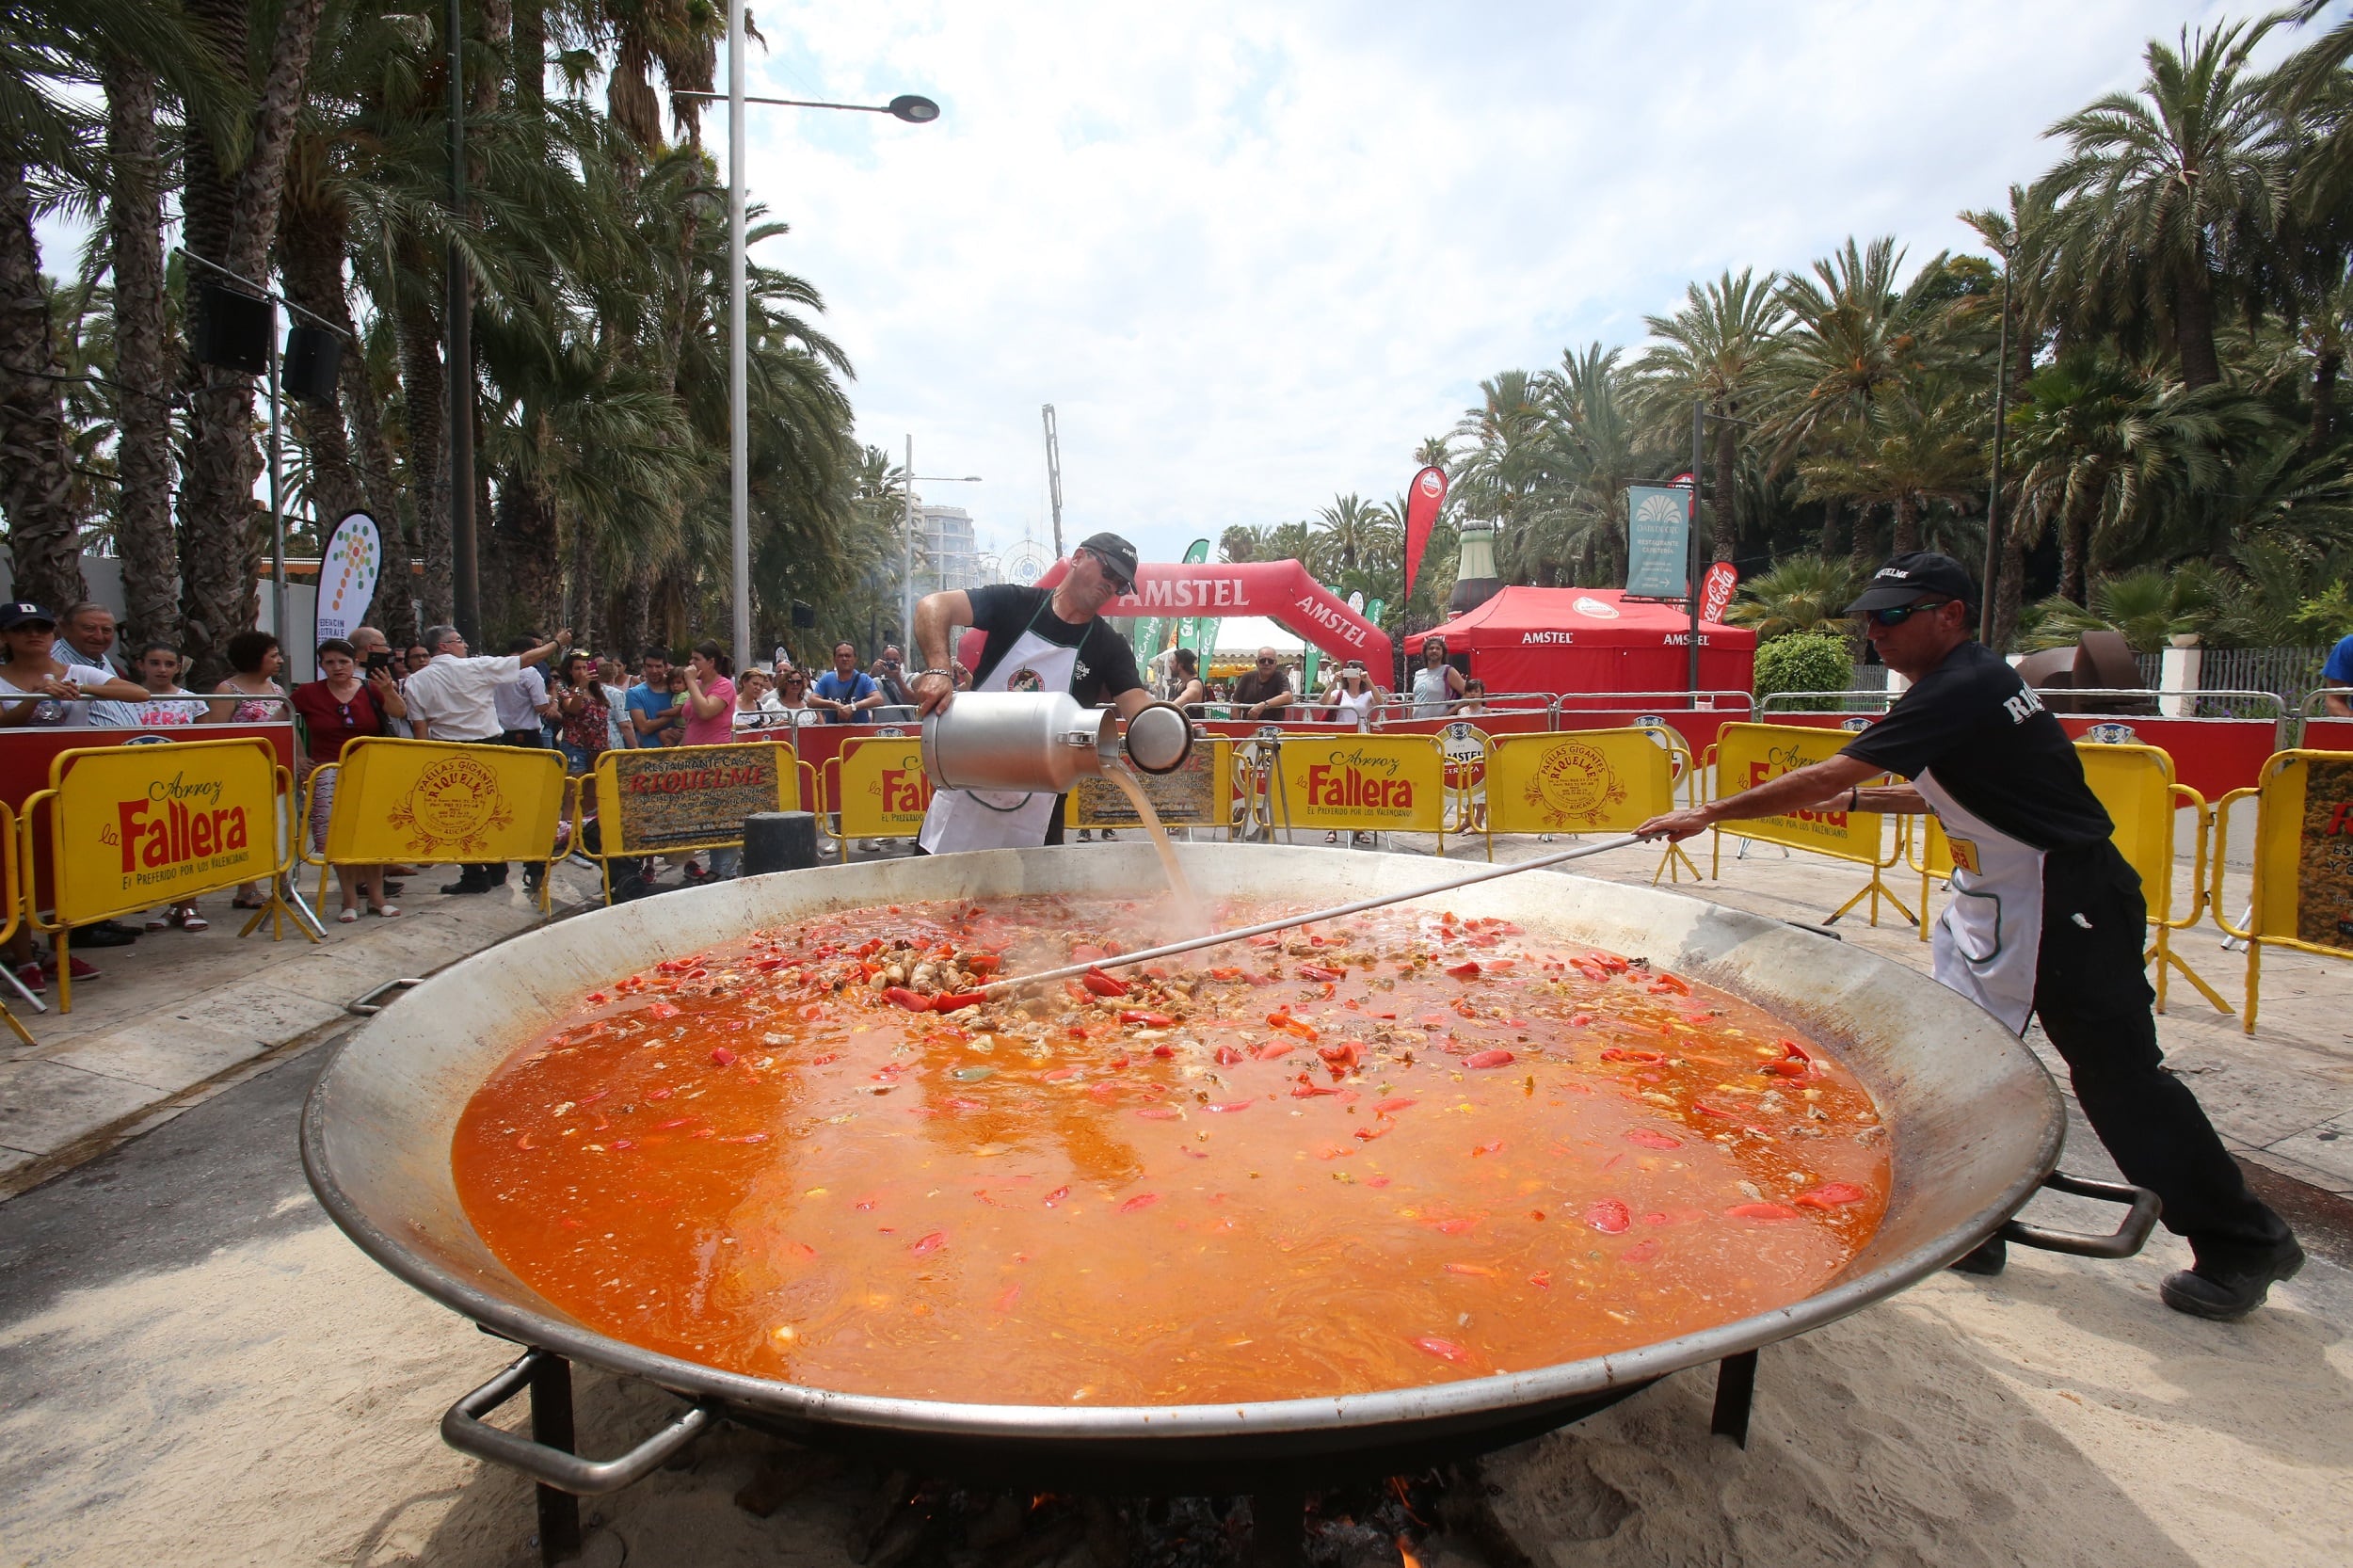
1043 741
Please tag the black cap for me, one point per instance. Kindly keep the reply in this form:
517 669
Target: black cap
21 614
1906 577
1115 554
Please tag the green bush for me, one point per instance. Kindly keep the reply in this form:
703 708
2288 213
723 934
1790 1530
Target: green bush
1803 662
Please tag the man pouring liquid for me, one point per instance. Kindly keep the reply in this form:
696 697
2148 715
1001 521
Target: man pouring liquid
2046 916
1038 640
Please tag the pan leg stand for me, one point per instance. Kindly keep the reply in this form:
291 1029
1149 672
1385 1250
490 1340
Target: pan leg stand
552 1424
1735 1390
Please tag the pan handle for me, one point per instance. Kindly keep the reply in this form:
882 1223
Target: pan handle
2129 1236
464 1430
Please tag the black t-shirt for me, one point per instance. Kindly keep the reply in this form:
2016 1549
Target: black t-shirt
1106 666
1994 747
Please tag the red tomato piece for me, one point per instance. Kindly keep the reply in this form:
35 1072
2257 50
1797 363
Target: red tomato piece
1103 985
1086 952
1488 1059
1226 1107
1477 1149
955 1001
661 1010
1642 1252
1226 1056
930 1244
1142 1200
1466 969
1056 1196
1151 1020
1309 1091
1761 1211
1274 1049
723 1056
899 996
1649 1140
982 963
1608 1216
1159 1114
1320 971
1061 1074
1830 1194
746 1138
1391 1107
1445 1350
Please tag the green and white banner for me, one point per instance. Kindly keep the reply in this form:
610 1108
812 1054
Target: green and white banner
1658 542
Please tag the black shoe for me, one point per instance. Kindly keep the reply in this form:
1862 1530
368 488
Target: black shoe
2228 1285
497 876
1991 1257
393 889
105 933
466 884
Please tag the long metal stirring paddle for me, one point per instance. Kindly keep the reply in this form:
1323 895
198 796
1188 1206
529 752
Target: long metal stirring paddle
1191 944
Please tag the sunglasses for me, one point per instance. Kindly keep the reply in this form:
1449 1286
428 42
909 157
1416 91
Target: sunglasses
1895 615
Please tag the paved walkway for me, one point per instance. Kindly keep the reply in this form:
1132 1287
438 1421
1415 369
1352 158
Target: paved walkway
178 1017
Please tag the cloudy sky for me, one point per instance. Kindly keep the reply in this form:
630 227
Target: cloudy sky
1254 254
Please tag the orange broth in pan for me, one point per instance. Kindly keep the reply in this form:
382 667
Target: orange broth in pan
1391 1150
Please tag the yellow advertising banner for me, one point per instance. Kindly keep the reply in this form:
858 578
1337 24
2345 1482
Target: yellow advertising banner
883 788
2136 784
2304 851
429 802
659 800
131 826
1199 795
1748 754
1367 783
1578 781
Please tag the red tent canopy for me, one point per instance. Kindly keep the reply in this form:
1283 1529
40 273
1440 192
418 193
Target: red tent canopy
1577 640
1282 591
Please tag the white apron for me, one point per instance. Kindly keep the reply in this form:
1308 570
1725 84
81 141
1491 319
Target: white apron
959 820
1990 939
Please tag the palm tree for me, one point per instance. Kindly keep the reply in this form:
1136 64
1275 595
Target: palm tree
2167 191
1804 593
1856 335
1918 446
1598 453
47 55
1349 532
232 185
2147 606
1238 542
2097 440
1720 350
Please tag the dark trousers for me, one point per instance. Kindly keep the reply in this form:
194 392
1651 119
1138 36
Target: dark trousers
2093 998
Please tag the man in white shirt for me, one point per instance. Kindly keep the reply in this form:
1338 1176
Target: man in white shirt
456 698
523 702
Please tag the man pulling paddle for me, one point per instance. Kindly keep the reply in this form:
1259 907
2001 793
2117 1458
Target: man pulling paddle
2046 916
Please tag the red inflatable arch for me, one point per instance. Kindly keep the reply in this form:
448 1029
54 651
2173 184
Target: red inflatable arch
1282 591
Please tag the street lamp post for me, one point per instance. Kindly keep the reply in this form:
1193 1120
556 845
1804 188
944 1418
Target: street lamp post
906 538
907 107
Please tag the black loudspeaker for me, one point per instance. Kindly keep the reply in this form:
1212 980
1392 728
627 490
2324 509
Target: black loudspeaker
233 329
314 355
804 616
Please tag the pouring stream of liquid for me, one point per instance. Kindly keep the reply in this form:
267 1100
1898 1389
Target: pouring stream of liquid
1193 944
1190 915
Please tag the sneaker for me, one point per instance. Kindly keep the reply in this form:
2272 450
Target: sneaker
33 979
81 971
1991 1256
1110 836
576 858
1086 835
697 873
2227 1285
465 886
105 933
